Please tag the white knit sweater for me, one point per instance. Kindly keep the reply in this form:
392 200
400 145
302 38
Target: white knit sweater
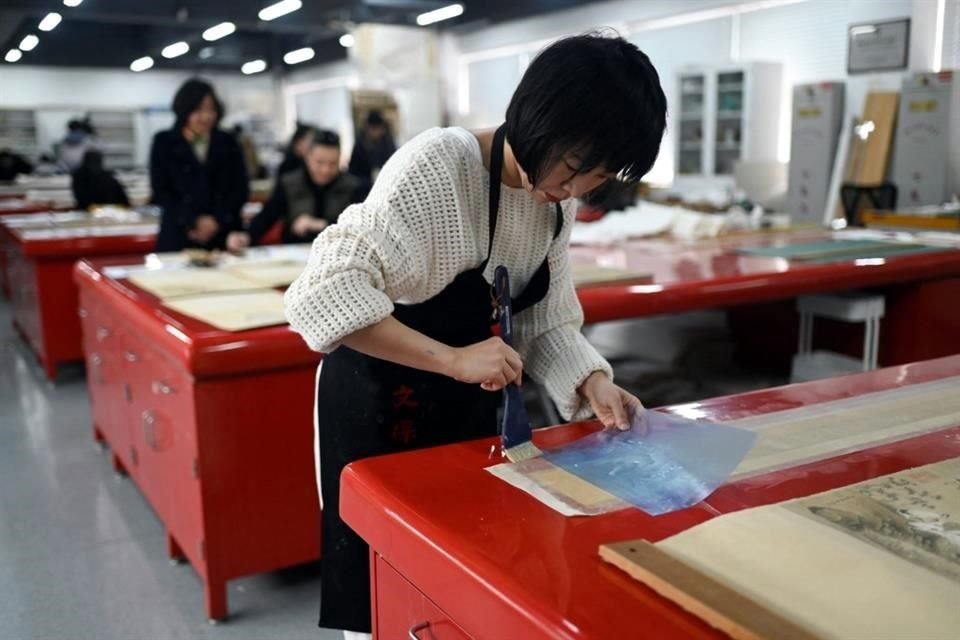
425 222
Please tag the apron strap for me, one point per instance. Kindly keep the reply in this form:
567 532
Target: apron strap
496 167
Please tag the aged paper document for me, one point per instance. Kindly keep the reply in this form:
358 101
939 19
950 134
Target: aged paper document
234 311
878 559
272 273
175 283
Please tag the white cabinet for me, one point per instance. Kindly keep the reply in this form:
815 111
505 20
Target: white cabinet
724 115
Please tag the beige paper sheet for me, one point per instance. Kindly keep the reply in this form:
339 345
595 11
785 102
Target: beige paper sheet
591 275
879 559
234 311
815 432
785 439
273 273
175 283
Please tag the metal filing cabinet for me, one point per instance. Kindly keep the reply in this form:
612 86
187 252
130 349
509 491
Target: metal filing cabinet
926 162
814 133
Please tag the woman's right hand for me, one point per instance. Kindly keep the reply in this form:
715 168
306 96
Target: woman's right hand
492 364
204 229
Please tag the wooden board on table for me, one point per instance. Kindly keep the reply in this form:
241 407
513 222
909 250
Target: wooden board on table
707 598
234 311
177 283
591 275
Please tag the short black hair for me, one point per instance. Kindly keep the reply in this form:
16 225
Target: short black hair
325 138
376 119
188 98
595 95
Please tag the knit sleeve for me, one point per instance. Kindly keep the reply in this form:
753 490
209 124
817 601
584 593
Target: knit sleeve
381 250
548 337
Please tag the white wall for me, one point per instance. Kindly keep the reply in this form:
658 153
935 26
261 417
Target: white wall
809 37
61 94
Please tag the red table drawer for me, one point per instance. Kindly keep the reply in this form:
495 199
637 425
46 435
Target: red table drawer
402 611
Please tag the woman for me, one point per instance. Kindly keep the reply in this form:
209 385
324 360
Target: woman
297 149
197 174
307 199
93 185
372 150
398 295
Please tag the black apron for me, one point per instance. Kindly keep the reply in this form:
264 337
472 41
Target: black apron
368 407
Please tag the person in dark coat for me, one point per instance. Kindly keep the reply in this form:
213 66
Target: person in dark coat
197 174
297 148
307 199
374 147
92 184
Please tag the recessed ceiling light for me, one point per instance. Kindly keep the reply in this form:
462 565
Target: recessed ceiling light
218 31
72 3
29 42
141 64
254 66
347 40
13 55
278 9
175 49
298 55
443 13
50 22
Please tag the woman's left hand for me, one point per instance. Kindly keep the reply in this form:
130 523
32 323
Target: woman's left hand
613 406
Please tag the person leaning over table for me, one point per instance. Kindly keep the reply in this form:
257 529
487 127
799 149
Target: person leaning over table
306 199
197 174
398 294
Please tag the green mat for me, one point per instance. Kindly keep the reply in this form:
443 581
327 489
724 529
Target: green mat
838 250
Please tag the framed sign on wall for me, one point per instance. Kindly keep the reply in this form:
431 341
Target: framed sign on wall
878 46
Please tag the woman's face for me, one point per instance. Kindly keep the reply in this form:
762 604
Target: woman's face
563 180
203 119
323 163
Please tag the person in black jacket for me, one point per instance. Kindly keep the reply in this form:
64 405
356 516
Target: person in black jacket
197 174
92 184
374 147
307 199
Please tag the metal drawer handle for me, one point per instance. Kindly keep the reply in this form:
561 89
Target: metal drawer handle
103 333
161 388
131 356
148 434
417 628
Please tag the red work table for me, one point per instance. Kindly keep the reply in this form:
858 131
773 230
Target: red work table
689 276
38 273
214 427
457 550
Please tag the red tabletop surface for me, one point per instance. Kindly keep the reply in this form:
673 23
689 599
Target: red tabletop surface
79 245
202 349
705 274
503 565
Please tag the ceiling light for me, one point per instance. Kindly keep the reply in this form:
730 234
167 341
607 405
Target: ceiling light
29 42
72 3
278 9
141 64
347 40
218 31
175 49
298 55
206 52
254 66
443 13
13 55
50 22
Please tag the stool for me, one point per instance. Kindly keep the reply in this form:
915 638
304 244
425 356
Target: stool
848 307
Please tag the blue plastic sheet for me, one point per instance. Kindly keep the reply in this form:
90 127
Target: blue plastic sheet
662 464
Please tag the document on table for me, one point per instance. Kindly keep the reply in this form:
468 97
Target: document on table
233 311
